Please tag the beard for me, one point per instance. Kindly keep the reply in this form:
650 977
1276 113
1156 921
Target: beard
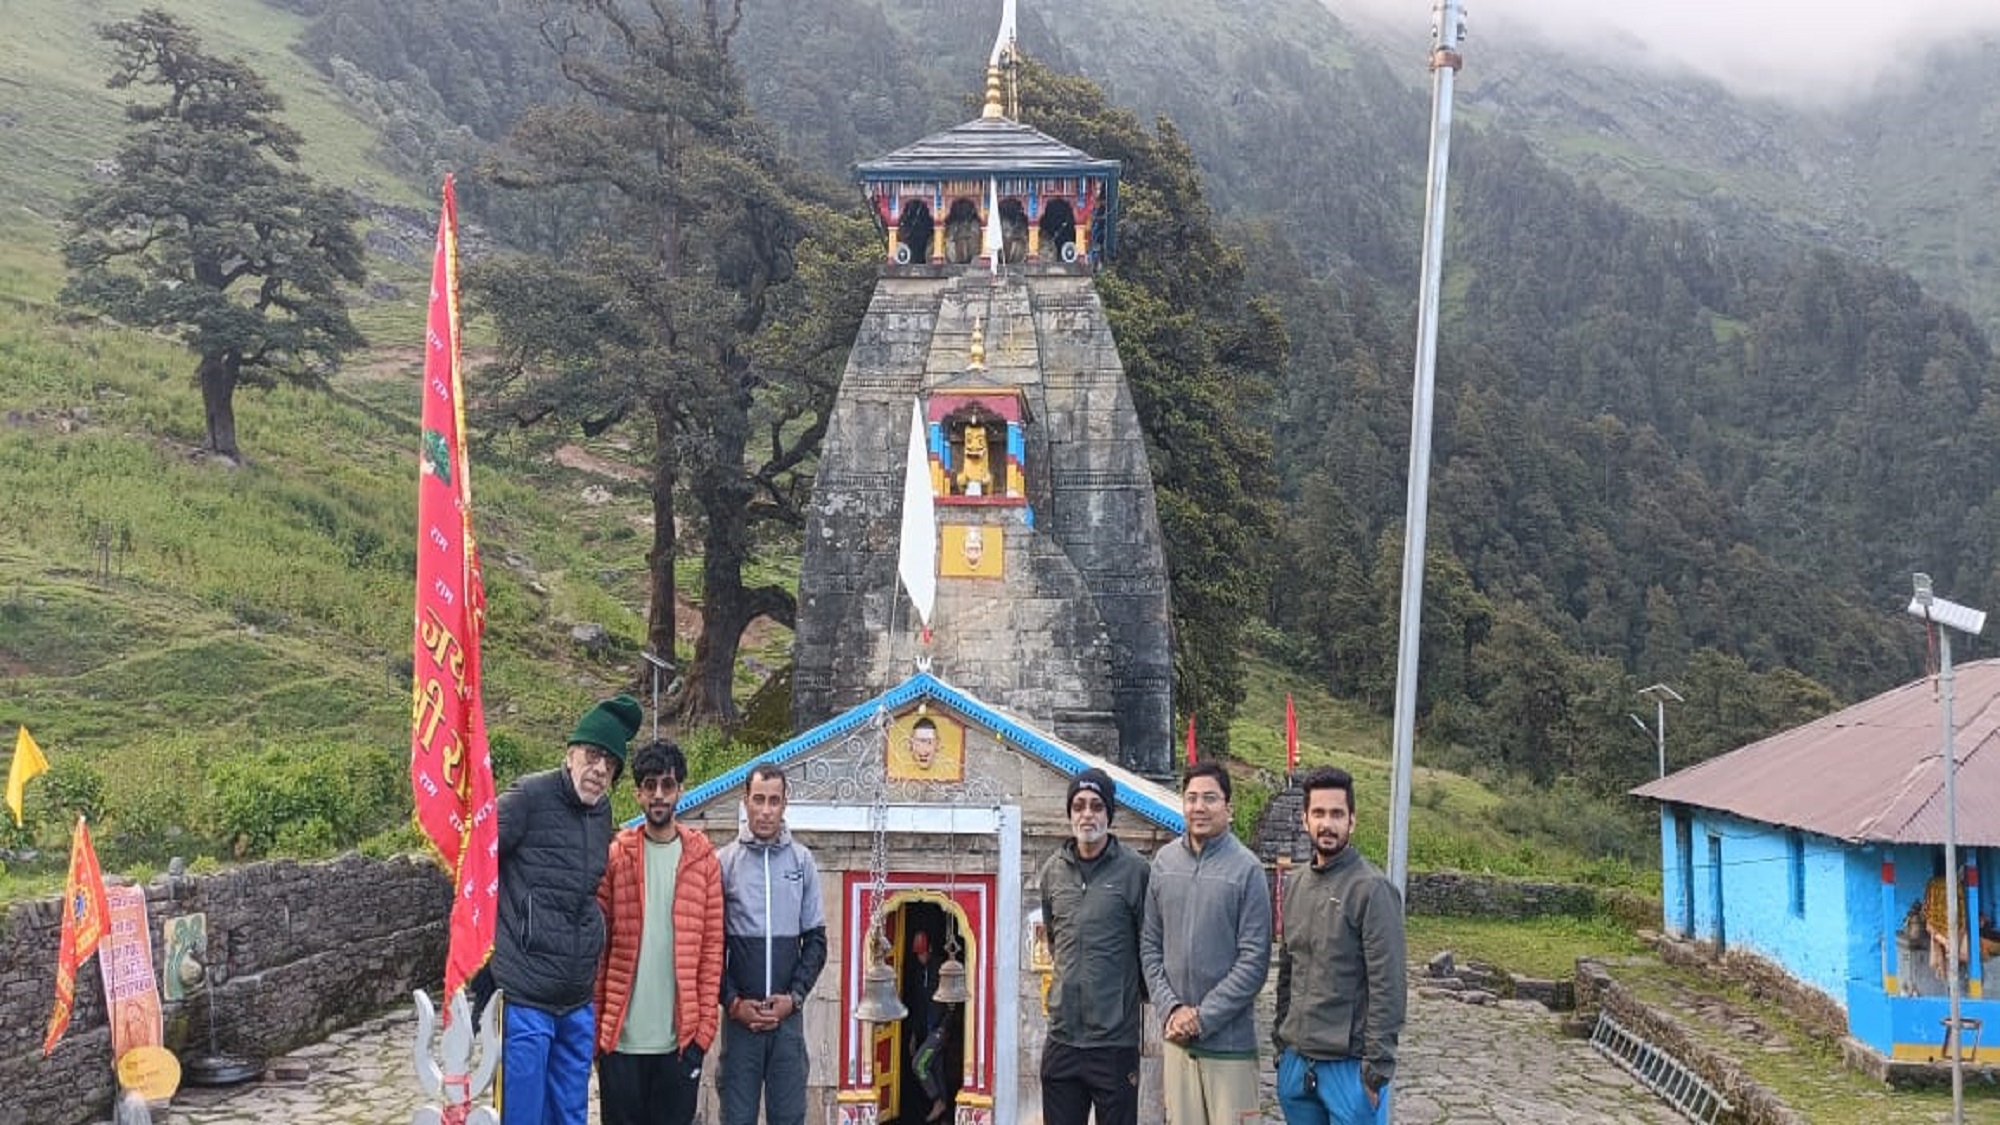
1093 834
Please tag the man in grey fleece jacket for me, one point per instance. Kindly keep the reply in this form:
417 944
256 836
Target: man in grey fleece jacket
1341 988
1205 948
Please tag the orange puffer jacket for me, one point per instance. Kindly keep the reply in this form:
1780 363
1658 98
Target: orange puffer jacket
697 937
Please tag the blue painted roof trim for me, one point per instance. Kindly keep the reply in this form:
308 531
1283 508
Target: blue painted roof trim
923 685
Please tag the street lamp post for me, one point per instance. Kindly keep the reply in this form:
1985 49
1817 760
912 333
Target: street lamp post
1659 694
659 666
1945 616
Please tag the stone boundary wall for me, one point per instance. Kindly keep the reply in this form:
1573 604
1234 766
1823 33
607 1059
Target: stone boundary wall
1452 894
1751 1103
295 952
1764 980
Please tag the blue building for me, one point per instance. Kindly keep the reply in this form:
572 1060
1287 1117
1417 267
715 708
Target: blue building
1813 849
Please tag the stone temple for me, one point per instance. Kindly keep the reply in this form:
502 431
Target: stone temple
1051 578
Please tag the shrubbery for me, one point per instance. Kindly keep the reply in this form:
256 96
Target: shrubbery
307 800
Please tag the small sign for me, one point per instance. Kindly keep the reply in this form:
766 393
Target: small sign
186 941
151 1072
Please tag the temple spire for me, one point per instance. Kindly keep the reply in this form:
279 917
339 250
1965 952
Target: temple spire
1002 54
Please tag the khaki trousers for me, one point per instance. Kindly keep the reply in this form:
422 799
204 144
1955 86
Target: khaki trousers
1209 1091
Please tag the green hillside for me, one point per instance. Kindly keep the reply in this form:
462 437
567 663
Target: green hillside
58 120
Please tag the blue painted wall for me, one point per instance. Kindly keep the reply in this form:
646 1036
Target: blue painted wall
1785 896
1842 940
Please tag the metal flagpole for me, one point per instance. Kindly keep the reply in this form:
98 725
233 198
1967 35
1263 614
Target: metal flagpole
1445 61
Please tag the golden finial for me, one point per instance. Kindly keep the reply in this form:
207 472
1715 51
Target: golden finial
975 359
993 104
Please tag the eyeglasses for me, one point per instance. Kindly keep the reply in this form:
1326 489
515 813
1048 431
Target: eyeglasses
600 759
1086 805
1205 797
665 783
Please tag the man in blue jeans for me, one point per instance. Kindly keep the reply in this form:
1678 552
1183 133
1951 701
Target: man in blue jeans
774 947
1341 988
555 836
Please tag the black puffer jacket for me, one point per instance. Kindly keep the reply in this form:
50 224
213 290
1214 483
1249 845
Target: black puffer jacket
552 853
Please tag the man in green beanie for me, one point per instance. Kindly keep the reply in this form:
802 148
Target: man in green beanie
555 834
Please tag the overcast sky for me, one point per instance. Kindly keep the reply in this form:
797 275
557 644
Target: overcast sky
1809 50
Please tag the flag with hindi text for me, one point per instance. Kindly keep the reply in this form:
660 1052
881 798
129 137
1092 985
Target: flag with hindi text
451 772
85 918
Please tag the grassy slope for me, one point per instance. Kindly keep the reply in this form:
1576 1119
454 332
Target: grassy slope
159 611
61 119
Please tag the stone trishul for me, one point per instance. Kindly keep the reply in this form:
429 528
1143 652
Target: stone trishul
454 1081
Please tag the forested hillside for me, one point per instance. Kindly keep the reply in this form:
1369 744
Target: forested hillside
1664 451
1898 169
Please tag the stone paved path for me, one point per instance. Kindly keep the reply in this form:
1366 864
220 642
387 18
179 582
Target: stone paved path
1462 1063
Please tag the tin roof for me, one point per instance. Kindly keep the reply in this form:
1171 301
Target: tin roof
1871 773
982 147
1148 799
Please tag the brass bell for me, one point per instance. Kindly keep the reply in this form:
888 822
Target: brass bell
951 987
879 1002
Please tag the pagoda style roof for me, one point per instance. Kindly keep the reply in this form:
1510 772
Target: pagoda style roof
985 146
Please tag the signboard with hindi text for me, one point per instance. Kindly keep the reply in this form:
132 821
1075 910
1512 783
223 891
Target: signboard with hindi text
126 960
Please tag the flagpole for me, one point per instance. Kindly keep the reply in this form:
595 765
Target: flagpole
1445 61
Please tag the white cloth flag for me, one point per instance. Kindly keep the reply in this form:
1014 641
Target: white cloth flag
1006 36
993 224
917 557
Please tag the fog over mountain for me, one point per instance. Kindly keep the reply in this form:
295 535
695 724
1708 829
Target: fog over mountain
1816 52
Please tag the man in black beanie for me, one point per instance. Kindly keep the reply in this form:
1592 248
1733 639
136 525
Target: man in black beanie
555 835
1093 904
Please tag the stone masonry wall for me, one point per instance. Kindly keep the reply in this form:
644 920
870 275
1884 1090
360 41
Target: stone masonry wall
295 951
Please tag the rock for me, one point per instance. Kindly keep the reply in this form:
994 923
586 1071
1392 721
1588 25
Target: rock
1442 965
593 637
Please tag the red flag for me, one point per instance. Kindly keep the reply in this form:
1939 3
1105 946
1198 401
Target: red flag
1291 735
451 771
1190 739
84 921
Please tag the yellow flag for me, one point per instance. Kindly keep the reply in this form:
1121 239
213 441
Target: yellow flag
28 764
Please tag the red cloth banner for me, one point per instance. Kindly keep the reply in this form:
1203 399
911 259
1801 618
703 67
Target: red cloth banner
1190 740
85 918
451 771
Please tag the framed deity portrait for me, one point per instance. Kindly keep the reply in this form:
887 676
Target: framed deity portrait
971 550
926 746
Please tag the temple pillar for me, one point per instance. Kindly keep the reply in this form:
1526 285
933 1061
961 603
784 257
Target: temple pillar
1890 919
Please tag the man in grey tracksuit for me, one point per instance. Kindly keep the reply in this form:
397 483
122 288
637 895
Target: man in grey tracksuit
1093 905
774 947
1341 988
1206 951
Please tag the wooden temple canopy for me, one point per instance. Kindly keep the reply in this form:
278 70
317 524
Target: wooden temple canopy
994 159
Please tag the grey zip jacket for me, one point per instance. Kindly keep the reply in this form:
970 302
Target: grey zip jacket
1206 940
1093 927
773 924
1341 987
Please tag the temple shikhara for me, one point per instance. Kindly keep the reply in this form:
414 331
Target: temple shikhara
983 613
1051 593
